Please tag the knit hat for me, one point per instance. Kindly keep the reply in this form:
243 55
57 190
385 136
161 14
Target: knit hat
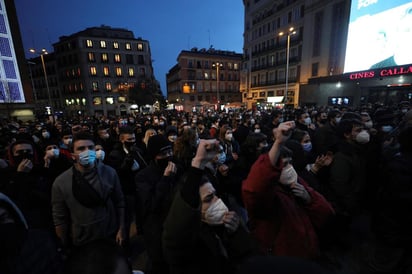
157 144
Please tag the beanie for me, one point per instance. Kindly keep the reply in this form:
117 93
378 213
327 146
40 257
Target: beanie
157 144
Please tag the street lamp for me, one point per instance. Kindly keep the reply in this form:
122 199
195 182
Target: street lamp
290 32
217 65
32 84
44 52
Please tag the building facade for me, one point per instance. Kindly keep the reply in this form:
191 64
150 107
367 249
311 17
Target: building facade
205 79
102 70
288 42
16 97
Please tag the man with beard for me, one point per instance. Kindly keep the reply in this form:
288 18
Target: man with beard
155 188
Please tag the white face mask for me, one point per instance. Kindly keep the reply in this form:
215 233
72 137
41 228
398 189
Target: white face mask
45 134
172 138
337 120
53 152
363 137
100 154
369 124
308 121
215 213
252 121
288 176
280 120
257 130
67 141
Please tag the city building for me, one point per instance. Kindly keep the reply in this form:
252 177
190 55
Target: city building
16 97
104 71
205 79
288 42
94 72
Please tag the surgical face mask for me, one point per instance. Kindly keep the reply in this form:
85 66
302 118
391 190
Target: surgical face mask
362 137
68 141
38 128
257 130
288 176
172 138
87 157
53 152
337 120
229 136
308 121
100 154
215 213
105 136
161 123
45 134
307 147
221 158
369 124
252 121
281 120
404 110
387 129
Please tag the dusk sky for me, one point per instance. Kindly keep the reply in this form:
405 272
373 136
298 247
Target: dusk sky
169 26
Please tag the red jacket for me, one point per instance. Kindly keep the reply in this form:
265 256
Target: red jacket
282 224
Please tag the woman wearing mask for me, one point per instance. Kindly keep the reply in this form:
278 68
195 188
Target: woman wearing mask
201 234
230 145
284 211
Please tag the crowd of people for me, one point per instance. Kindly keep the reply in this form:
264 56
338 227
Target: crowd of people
305 190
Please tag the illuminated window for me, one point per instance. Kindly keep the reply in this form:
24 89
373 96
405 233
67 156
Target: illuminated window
103 44
105 58
140 47
117 58
93 71
90 57
83 101
131 72
109 100
128 46
236 66
95 86
89 43
206 75
108 86
116 45
229 65
121 99
118 71
97 100
106 71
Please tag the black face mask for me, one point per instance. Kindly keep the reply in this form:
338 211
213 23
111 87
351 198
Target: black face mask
19 158
162 163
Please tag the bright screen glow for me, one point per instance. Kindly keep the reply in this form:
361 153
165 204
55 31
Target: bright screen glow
379 35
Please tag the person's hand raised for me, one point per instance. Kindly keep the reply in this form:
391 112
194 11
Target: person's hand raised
206 151
283 132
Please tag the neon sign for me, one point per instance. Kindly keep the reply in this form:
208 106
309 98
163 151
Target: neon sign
385 72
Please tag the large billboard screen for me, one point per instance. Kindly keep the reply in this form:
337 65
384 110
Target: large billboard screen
379 35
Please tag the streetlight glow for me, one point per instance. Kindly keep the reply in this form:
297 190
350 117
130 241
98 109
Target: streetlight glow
217 65
290 32
42 53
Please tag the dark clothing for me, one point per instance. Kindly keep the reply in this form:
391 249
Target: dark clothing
241 133
122 162
192 246
325 139
154 197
